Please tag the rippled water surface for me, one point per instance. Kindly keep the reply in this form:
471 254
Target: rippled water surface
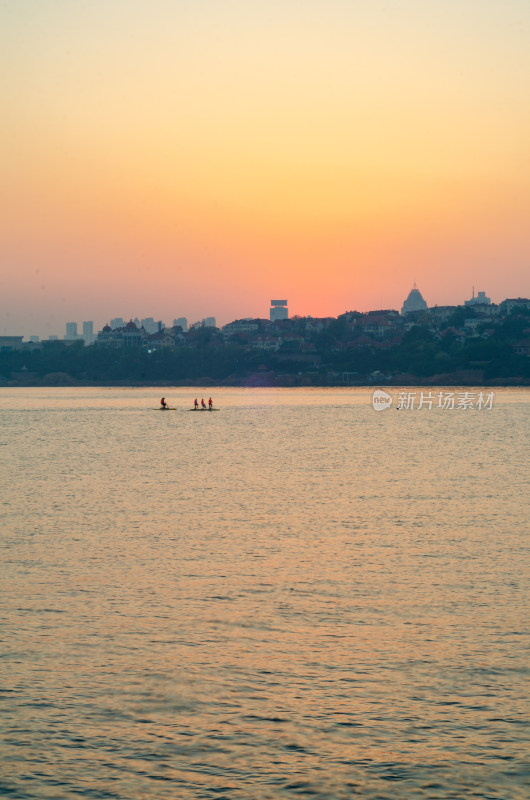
294 597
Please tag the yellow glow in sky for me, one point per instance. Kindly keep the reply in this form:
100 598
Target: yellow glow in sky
202 157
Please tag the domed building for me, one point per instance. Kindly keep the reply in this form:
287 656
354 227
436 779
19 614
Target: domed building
131 335
414 302
105 335
128 335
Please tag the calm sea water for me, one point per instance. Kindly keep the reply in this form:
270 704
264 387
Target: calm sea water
294 597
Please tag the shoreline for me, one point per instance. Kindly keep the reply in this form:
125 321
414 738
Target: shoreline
295 383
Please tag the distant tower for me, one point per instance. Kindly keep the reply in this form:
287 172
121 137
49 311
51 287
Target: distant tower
414 302
278 310
181 322
479 300
71 330
88 332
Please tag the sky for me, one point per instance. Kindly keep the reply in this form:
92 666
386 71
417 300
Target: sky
199 157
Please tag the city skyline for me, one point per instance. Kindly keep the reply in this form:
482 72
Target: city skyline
70 329
207 156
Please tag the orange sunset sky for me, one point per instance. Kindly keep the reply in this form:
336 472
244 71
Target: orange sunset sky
197 158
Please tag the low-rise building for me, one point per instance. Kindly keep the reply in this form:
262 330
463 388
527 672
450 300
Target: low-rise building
163 339
8 343
127 336
268 343
522 347
508 305
471 326
440 314
479 300
241 326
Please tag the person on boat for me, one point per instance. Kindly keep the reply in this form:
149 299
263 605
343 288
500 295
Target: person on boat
163 404
203 404
210 404
196 404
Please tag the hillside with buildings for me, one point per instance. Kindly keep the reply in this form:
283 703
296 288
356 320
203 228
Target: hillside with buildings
475 343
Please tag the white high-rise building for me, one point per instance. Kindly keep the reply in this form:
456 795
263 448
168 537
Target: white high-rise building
149 325
117 322
181 322
278 310
88 332
71 330
208 322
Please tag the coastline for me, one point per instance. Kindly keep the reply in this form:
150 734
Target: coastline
283 381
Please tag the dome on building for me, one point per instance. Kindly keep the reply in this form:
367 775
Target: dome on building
107 329
414 302
131 326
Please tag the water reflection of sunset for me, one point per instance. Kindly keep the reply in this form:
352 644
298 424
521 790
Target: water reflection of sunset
297 594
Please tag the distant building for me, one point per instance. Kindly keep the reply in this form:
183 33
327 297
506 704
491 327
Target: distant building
479 300
414 302
387 313
149 325
131 335
117 322
471 326
71 330
88 332
53 338
127 336
278 310
34 339
522 347
377 325
10 343
439 314
241 326
267 343
208 322
181 322
164 339
509 304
